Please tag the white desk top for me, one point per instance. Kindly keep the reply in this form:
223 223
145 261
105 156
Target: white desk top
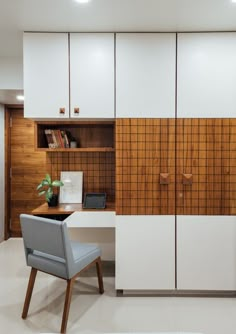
92 219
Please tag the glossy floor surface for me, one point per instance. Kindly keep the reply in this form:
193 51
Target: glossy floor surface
92 313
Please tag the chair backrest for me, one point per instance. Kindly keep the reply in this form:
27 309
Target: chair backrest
47 236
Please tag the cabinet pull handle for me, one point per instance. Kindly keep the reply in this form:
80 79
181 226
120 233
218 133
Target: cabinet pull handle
187 179
164 178
62 111
76 110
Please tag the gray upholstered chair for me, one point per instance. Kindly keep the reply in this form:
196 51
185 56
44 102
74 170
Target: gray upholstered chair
48 249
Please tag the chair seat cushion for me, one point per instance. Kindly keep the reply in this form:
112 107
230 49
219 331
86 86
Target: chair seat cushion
83 255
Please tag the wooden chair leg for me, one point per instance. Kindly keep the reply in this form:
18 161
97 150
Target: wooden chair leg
29 291
99 273
70 283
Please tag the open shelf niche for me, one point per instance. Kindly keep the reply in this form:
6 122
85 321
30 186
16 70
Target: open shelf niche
90 136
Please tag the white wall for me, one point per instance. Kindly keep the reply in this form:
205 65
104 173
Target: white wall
2 165
11 73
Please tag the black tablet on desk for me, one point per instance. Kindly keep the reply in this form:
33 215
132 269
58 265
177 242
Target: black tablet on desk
94 201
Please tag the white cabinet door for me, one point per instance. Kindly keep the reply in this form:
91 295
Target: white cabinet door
145 252
92 75
206 252
206 73
145 75
46 75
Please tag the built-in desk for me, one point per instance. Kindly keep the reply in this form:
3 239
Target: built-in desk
76 216
67 209
95 226
93 219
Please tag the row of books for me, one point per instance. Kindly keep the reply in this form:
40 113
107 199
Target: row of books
57 138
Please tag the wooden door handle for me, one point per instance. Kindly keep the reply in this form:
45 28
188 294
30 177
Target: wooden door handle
164 178
62 111
76 111
187 179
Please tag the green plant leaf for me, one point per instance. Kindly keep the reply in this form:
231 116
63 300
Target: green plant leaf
47 198
46 187
48 194
42 184
48 178
49 191
42 192
57 183
39 186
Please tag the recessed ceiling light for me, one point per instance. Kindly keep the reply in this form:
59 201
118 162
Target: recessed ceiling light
82 1
20 97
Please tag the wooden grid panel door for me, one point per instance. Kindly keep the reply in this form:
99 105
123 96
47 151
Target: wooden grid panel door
206 167
145 166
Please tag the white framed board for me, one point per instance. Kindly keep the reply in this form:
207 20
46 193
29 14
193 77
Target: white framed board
72 190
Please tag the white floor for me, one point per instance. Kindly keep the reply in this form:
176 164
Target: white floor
93 313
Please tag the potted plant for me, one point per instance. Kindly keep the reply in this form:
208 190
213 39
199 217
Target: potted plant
46 188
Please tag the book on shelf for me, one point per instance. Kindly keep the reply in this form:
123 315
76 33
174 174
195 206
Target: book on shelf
57 138
60 141
65 139
50 138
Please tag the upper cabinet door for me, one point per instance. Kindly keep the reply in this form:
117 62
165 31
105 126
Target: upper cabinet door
92 75
206 73
145 75
46 75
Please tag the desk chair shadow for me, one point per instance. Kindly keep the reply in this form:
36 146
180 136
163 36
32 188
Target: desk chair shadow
48 249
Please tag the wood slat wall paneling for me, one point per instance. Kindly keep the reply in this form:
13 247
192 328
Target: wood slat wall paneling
27 166
145 148
7 174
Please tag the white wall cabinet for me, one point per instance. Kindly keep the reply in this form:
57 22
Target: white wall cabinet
206 75
206 252
145 252
62 69
145 75
46 75
75 72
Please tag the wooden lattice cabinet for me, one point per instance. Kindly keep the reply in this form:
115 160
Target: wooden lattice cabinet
176 166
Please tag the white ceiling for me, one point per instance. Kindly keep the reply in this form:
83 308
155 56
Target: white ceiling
9 96
17 16
110 15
